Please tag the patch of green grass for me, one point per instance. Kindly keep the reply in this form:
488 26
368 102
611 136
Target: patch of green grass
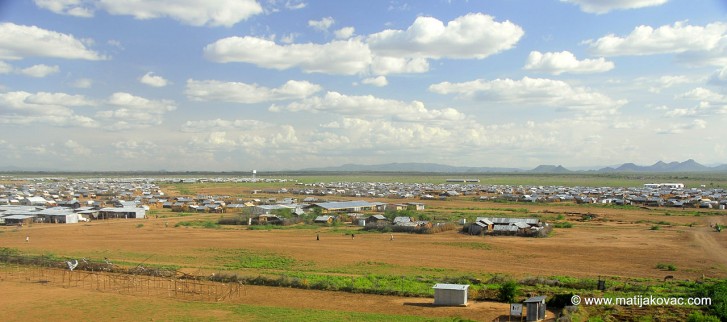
655 227
139 225
281 227
242 258
563 224
198 223
470 245
667 267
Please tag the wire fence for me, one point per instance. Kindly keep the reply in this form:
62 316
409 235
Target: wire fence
121 283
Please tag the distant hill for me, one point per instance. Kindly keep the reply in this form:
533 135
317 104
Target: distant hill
411 167
550 169
663 167
686 166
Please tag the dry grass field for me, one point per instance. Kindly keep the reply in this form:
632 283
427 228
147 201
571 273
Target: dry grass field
617 244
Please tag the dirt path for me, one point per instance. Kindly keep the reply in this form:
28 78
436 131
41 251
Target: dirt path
705 239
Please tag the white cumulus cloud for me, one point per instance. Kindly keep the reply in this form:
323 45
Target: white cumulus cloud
677 38
398 65
346 57
532 91
212 90
473 35
39 71
371 106
153 80
48 108
130 111
378 81
19 41
322 25
77 8
557 63
344 33
601 6
191 12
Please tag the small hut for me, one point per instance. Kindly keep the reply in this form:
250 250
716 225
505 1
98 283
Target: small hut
450 294
535 308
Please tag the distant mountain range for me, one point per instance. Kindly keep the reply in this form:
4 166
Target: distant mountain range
411 167
661 167
686 166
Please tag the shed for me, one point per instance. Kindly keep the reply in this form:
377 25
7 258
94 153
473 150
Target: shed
18 219
450 294
535 307
324 219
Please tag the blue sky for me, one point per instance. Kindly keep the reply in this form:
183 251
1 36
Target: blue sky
235 85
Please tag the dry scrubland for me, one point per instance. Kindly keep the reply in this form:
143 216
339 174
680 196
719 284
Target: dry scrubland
620 244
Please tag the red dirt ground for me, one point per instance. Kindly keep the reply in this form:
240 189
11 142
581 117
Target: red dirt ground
618 244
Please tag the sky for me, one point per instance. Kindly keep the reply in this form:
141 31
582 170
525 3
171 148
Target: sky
236 85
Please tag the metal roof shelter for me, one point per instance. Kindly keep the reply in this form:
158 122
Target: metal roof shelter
508 221
345 205
450 294
535 308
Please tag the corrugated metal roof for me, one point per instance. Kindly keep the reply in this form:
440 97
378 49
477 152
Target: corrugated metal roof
18 217
344 204
458 287
521 225
507 221
535 299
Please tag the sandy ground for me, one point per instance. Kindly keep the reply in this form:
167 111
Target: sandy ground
28 300
614 248
618 244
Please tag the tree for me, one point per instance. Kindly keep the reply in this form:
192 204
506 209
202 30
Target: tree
283 212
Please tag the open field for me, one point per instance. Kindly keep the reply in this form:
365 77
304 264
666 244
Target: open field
620 244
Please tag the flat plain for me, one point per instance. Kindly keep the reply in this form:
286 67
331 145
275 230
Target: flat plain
618 244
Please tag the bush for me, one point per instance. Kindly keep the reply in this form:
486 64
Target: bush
718 293
508 292
564 224
655 227
697 316
239 220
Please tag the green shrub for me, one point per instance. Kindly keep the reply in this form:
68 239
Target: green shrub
203 224
564 224
697 316
718 293
508 292
668 267
655 227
